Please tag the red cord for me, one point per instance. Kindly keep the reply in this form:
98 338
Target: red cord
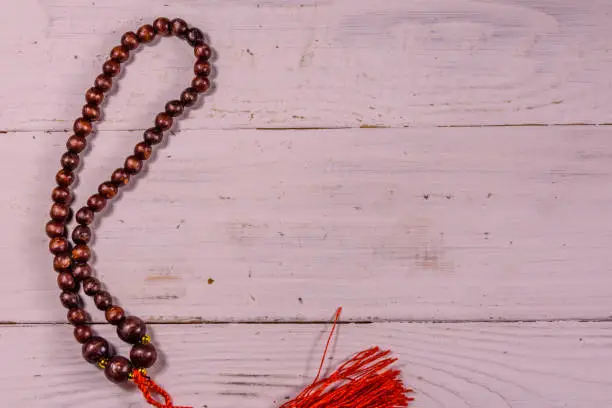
148 387
329 339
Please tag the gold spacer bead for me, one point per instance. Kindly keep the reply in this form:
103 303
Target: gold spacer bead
103 363
146 339
142 371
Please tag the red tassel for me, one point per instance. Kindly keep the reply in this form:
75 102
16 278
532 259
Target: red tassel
365 381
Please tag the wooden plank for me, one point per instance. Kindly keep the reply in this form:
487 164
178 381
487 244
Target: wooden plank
319 63
400 224
538 365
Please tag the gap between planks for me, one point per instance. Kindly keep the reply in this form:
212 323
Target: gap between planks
501 125
319 322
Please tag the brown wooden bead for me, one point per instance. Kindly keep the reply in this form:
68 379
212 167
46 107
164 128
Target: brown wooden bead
146 33
55 229
120 177
70 160
81 253
163 121
153 136
91 112
82 271
59 245
118 370
174 108
81 234
94 96
115 315
77 316
82 127
76 144
83 333
59 212
66 281
96 202
64 178
201 67
131 329
69 299
91 286
133 165
194 36
200 83
108 190
103 300
143 355
95 349
85 216
103 82
111 68
130 40
143 151
202 51
62 262
61 195
162 26
120 53
179 27
189 96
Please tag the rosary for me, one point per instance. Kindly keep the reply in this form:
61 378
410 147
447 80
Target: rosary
364 381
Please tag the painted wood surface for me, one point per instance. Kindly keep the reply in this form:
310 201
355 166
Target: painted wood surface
519 365
321 63
446 214
399 224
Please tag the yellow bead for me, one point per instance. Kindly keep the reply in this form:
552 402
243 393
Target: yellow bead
142 371
146 339
103 363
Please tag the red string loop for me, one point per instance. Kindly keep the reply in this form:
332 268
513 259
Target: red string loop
149 388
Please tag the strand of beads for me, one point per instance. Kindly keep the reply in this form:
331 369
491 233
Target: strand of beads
71 257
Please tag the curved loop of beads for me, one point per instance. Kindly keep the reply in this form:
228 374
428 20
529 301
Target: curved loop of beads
71 257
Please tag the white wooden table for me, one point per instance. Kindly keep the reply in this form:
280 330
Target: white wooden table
440 168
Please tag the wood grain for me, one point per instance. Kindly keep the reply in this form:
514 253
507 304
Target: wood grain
445 214
393 224
319 63
538 365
